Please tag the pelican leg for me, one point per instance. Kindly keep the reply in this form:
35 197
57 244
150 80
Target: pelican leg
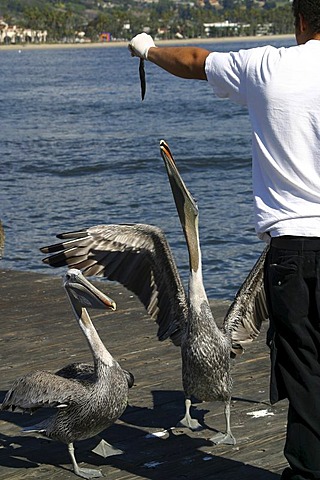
227 437
82 472
187 420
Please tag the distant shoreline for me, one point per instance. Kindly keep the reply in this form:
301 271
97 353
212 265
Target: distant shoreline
187 41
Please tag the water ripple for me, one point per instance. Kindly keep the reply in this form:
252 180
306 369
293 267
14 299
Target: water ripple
79 148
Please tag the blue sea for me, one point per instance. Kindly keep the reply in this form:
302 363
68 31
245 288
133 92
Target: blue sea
78 148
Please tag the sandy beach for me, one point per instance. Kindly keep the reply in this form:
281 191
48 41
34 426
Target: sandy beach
185 41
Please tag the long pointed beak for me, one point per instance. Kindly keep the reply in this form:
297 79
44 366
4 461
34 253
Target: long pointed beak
186 206
83 294
185 203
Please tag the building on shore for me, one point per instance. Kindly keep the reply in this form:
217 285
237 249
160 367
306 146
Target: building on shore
12 34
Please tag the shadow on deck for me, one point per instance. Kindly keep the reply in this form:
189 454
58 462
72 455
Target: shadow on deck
38 331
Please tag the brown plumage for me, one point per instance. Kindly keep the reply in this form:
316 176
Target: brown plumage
139 257
87 398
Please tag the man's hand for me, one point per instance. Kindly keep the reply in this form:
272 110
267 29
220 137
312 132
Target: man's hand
140 44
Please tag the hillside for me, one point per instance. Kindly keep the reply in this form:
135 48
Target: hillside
162 18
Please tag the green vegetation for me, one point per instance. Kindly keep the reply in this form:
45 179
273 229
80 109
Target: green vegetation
163 19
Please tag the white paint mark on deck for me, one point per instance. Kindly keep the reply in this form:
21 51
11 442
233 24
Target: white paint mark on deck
153 464
260 413
162 433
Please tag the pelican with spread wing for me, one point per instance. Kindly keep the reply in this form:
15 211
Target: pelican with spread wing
139 257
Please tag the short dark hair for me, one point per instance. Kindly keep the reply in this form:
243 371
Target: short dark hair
310 11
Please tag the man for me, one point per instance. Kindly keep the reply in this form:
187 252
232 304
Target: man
281 89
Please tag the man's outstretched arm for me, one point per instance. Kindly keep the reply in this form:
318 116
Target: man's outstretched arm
185 62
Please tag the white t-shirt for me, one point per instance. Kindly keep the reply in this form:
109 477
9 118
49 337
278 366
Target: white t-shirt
281 89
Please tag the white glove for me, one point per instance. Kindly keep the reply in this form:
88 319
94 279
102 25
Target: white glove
140 44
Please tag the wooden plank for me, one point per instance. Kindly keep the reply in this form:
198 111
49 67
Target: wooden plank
38 330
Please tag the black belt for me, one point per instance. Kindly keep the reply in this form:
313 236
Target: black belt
289 242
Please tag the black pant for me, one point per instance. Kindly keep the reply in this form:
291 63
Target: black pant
292 284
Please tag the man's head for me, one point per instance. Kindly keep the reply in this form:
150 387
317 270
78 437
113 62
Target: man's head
307 19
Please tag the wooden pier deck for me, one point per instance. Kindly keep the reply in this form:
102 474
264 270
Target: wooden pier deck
38 331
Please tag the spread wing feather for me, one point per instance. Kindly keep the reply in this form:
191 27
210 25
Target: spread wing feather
249 309
137 256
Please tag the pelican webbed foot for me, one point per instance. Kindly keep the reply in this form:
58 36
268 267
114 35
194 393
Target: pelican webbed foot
104 449
187 420
223 438
87 473
190 422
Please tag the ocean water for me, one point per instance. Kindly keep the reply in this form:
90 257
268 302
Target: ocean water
78 147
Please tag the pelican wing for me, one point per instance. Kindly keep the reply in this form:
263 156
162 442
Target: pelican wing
77 371
249 309
86 373
39 389
136 255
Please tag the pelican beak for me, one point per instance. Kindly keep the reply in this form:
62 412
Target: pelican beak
83 294
185 203
186 206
